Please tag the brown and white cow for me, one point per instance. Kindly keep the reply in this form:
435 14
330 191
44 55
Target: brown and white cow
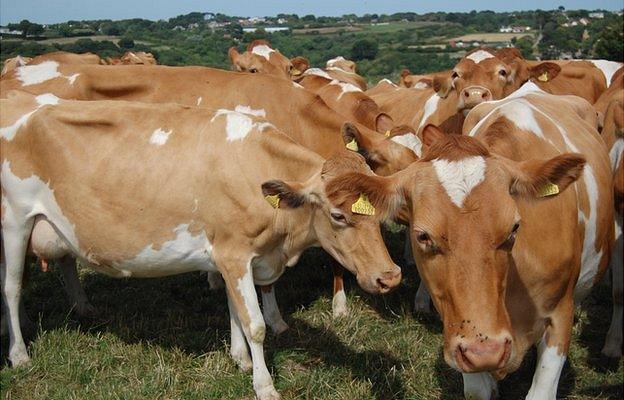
299 113
62 57
170 200
510 223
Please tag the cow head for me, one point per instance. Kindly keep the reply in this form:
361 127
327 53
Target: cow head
261 58
465 228
483 75
343 64
350 233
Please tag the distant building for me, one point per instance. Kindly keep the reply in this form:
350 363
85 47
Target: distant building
7 31
268 29
209 16
596 15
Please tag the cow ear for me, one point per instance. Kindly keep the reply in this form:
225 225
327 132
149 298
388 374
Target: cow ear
300 65
383 123
545 71
353 138
431 134
442 84
280 194
233 54
545 178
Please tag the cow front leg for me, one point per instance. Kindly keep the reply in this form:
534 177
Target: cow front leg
613 344
270 310
339 300
242 295
74 290
552 351
238 345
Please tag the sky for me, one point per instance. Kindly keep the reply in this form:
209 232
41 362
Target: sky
51 11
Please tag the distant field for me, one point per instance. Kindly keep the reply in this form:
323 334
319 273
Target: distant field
490 37
168 339
376 28
328 30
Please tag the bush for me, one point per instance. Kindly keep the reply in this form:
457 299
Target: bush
126 43
364 49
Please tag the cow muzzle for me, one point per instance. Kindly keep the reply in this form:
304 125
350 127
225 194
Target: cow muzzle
474 95
381 283
482 353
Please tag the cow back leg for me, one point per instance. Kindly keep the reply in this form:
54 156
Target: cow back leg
242 294
613 344
270 310
552 351
75 292
339 300
15 233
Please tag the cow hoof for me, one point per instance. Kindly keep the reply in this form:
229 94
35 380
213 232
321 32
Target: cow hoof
339 305
19 359
612 351
279 327
243 362
268 393
340 312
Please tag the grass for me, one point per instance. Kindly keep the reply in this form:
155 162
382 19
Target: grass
168 339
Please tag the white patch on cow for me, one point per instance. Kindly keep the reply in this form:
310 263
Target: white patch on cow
527 88
340 69
522 116
9 132
331 62
479 386
479 56
460 177
608 68
34 74
388 81
346 87
317 72
410 141
616 153
31 196
185 252
72 78
547 373
420 86
238 125
159 137
199 100
590 258
431 105
263 50
250 111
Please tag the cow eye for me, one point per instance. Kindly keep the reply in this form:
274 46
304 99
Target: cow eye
511 239
253 70
426 242
502 72
338 217
455 75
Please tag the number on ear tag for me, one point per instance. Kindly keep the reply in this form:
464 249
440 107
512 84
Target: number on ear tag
543 77
549 189
352 145
273 200
363 206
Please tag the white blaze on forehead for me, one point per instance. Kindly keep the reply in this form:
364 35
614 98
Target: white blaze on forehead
479 56
410 141
9 132
431 105
608 68
248 110
334 60
263 50
160 137
34 74
238 125
460 177
317 72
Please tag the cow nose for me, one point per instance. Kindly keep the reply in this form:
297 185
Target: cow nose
388 280
475 95
484 354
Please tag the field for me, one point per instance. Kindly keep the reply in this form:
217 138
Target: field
168 339
491 37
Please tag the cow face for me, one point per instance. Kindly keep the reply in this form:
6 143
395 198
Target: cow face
351 234
261 58
483 76
465 230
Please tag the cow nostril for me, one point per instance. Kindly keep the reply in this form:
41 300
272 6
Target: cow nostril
381 284
466 94
484 95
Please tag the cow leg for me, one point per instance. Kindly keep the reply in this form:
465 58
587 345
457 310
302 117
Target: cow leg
74 290
613 343
271 311
480 386
242 294
238 345
15 234
422 302
215 281
339 301
551 352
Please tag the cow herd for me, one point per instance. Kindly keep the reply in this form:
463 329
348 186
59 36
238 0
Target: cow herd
508 174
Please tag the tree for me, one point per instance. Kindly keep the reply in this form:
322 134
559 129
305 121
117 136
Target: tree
364 49
610 45
126 43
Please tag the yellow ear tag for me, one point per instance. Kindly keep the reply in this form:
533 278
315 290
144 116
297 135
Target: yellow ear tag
543 77
549 189
387 133
363 206
273 200
295 72
352 145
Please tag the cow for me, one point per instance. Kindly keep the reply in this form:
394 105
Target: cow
342 63
133 58
510 223
308 120
184 207
407 79
62 57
